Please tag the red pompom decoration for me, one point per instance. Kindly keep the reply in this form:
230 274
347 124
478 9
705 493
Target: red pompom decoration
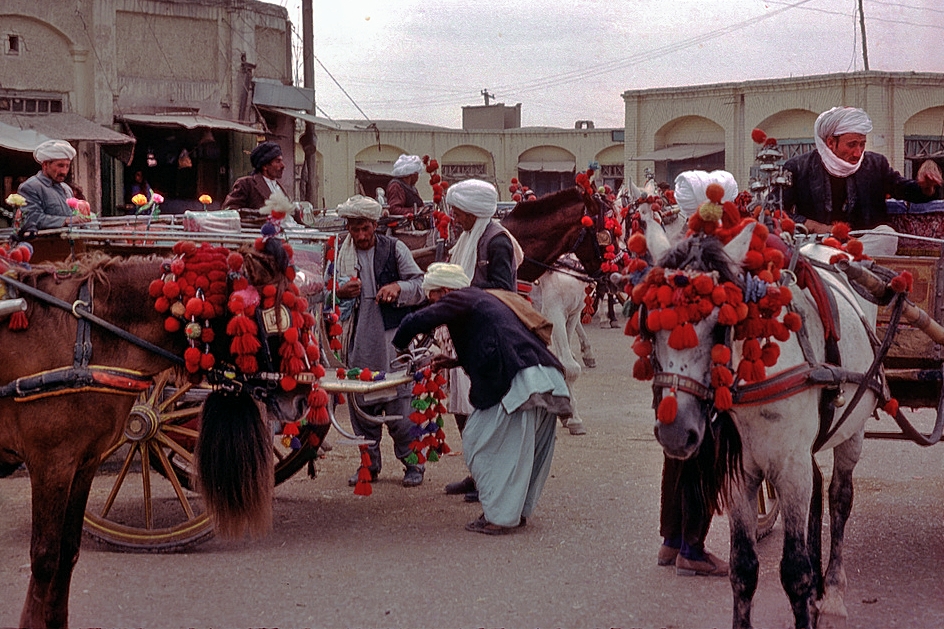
714 192
586 221
792 321
758 136
891 407
840 231
668 409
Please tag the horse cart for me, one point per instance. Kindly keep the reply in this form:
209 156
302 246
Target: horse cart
143 498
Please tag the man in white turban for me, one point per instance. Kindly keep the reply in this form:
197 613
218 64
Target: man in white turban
46 193
841 181
402 196
517 391
378 283
490 256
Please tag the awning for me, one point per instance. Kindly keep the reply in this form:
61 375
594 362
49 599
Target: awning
376 168
188 121
547 167
23 140
679 152
35 129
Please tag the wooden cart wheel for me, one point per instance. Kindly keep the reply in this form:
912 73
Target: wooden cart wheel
131 508
768 509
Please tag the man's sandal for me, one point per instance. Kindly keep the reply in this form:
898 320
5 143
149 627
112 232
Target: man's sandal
481 525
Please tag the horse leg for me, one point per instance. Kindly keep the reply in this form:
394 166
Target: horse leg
586 350
796 570
845 457
745 566
46 604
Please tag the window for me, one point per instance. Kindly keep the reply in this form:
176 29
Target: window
13 45
30 105
459 172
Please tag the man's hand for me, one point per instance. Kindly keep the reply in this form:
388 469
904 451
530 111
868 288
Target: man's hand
815 227
75 219
929 178
350 289
388 294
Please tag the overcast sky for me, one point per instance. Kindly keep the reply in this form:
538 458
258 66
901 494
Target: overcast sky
568 60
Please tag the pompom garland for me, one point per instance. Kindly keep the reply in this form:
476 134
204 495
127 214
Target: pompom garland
429 440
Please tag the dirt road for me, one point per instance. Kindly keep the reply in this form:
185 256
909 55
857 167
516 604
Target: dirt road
401 557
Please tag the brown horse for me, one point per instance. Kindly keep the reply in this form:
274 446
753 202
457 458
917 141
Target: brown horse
66 390
551 226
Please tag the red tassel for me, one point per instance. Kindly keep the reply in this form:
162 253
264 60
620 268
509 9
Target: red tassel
642 369
668 408
19 321
363 486
891 407
723 399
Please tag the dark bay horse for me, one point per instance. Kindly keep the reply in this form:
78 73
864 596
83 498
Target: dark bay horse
66 390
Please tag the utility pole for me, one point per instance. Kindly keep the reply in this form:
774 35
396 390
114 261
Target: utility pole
309 139
865 45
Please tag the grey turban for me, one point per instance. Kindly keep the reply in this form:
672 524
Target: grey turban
52 150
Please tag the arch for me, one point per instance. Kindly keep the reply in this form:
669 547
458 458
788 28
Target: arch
789 124
612 167
39 36
689 130
546 168
924 139
467 161
378 156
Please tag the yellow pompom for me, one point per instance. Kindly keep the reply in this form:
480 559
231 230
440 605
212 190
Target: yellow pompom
710 212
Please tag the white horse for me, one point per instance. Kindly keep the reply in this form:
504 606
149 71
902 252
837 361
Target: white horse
777 422
559 296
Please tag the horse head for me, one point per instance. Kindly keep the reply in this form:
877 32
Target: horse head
685 331
567 221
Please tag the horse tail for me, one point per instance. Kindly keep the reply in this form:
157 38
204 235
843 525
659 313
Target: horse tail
234 465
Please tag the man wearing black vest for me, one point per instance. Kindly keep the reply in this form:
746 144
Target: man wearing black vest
379 275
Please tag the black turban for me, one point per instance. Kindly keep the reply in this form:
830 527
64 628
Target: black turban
263 154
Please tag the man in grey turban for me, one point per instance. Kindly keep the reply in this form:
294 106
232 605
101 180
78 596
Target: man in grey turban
46 192
252 191
841 181
378 283
402 196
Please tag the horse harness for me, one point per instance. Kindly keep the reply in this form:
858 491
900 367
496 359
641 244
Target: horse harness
82 376
828 375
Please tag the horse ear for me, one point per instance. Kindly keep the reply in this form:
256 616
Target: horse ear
656 240
738 246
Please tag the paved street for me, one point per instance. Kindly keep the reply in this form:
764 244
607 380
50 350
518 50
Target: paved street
401 558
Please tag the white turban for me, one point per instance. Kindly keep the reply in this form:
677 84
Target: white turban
474 196
835 122
407 165
444 275
690 188
52 150
360 206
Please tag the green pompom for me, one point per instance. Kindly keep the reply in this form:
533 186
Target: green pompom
411 459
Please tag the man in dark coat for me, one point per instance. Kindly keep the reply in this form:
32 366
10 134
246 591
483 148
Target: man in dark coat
841 181
517 391
251 192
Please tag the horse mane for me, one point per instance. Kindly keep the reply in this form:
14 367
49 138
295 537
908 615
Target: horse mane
547 204
703 253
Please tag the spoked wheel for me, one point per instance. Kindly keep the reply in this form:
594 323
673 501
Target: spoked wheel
768 509
130 507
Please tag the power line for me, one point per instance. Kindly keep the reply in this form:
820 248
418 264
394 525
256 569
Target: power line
342 89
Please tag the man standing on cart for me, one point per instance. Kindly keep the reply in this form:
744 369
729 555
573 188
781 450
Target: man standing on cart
841 181
383 283
46 192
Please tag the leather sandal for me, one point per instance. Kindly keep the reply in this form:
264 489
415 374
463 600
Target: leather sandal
481 525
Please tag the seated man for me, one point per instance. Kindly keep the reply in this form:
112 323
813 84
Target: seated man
250 192
841 181
46 192
402 196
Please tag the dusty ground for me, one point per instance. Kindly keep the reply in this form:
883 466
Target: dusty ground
401 558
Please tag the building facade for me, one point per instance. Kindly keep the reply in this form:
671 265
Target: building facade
709 126
174 79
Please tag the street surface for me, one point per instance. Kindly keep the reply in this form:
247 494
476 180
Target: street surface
587 558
